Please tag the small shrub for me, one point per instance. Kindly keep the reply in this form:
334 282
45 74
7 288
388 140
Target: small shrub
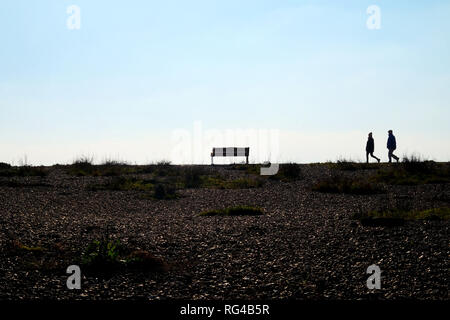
346 165
85 167
241 183
164 163
159 192
105 256
234 211
160 169
124 184
414 164
192 177
162 192
114 163
5 166
349 165
83 162
82 167
102 254
17 245
433 214
248 168
244 210
398 216
23 171
28 171
164 168
413 172
146 169
288 172
113 168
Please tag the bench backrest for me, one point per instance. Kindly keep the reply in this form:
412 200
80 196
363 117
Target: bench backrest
230 152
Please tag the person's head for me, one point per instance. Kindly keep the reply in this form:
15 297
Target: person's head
390 132
370 134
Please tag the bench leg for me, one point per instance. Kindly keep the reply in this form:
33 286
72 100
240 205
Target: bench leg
212 163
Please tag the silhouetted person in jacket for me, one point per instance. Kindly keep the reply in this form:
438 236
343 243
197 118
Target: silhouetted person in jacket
391 145
370 148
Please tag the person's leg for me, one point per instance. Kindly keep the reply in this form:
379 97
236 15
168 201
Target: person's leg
395 157
371 154
367 157
390 156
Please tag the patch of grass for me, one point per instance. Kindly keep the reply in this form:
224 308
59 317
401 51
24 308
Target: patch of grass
164 192
83 161
288 172
162 168
84 167
30 249
113 168
164 163
164 187
102 255
398 216
198 177
34 258
433 214
248 168
5 166
340 184
416 165
145 169
349 165
241 183
107 255
192 177
124 184
16 246
234 211
159 191
23 171
413 171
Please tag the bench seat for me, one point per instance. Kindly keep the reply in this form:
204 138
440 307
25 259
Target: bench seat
230 152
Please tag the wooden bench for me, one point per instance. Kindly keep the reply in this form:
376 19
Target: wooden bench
230 152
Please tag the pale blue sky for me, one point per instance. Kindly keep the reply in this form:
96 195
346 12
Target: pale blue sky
138 70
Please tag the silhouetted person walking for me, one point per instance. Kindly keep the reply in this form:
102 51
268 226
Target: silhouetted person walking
370 148
391 145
